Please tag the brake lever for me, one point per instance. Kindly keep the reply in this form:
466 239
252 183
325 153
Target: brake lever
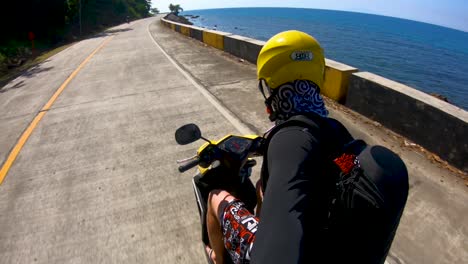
182 161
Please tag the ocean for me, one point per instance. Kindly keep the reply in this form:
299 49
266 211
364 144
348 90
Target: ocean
427 57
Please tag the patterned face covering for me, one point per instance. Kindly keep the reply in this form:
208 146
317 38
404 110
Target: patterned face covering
299 97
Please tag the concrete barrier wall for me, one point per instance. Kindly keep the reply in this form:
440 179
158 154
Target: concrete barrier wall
436 125
185 30
196 33
215 38
337 80
336 74
243 47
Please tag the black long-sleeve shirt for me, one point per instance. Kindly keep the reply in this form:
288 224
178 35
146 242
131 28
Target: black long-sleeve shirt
294 160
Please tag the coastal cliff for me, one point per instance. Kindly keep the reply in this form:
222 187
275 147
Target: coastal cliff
178 19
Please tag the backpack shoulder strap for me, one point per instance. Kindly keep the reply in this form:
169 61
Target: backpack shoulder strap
329 129
298 120
336 136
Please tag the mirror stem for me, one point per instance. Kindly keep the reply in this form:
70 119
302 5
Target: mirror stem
205 139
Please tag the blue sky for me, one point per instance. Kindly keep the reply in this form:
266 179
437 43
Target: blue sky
449 13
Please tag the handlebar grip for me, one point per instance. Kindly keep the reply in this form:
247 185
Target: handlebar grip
189 165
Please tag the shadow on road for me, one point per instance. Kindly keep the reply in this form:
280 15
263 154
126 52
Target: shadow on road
114 31
5 86
110 32
36 70
16 86
30 73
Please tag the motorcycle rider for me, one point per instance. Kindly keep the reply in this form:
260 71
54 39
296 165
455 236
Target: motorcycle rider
297 188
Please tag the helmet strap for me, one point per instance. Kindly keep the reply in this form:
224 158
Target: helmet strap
273 115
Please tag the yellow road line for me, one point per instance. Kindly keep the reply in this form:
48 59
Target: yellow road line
27 133
74 73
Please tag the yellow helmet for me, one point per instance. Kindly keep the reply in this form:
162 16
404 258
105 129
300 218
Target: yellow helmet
289 56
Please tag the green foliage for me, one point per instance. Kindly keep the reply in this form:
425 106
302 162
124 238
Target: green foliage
14 48
54 21
57 21
154 11
3 63
175 9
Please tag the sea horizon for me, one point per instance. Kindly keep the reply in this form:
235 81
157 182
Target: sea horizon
348 11
430 58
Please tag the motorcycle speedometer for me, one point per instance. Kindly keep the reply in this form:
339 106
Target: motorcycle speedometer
236 145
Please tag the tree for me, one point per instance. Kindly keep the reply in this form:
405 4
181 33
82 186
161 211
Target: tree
175 9
55 21
154 11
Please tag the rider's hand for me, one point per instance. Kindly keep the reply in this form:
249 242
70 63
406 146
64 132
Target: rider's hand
258 188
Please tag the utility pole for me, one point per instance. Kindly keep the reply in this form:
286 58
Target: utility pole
80 15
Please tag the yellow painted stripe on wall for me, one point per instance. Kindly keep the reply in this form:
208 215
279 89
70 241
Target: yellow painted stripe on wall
332 85
213 40
185 30
336 83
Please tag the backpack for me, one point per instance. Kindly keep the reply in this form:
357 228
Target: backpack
362 217
340 150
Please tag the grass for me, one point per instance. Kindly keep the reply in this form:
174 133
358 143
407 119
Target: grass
7 76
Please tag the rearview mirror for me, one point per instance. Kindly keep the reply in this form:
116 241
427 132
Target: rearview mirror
187 134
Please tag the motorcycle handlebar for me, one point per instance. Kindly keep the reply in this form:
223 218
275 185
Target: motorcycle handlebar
189 165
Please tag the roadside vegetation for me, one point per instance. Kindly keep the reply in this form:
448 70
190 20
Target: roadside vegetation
174 15
175 9
32 28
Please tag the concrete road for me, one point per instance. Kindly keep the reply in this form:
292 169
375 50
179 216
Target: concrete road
97 182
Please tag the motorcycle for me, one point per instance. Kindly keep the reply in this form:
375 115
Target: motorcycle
358 215
231 156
